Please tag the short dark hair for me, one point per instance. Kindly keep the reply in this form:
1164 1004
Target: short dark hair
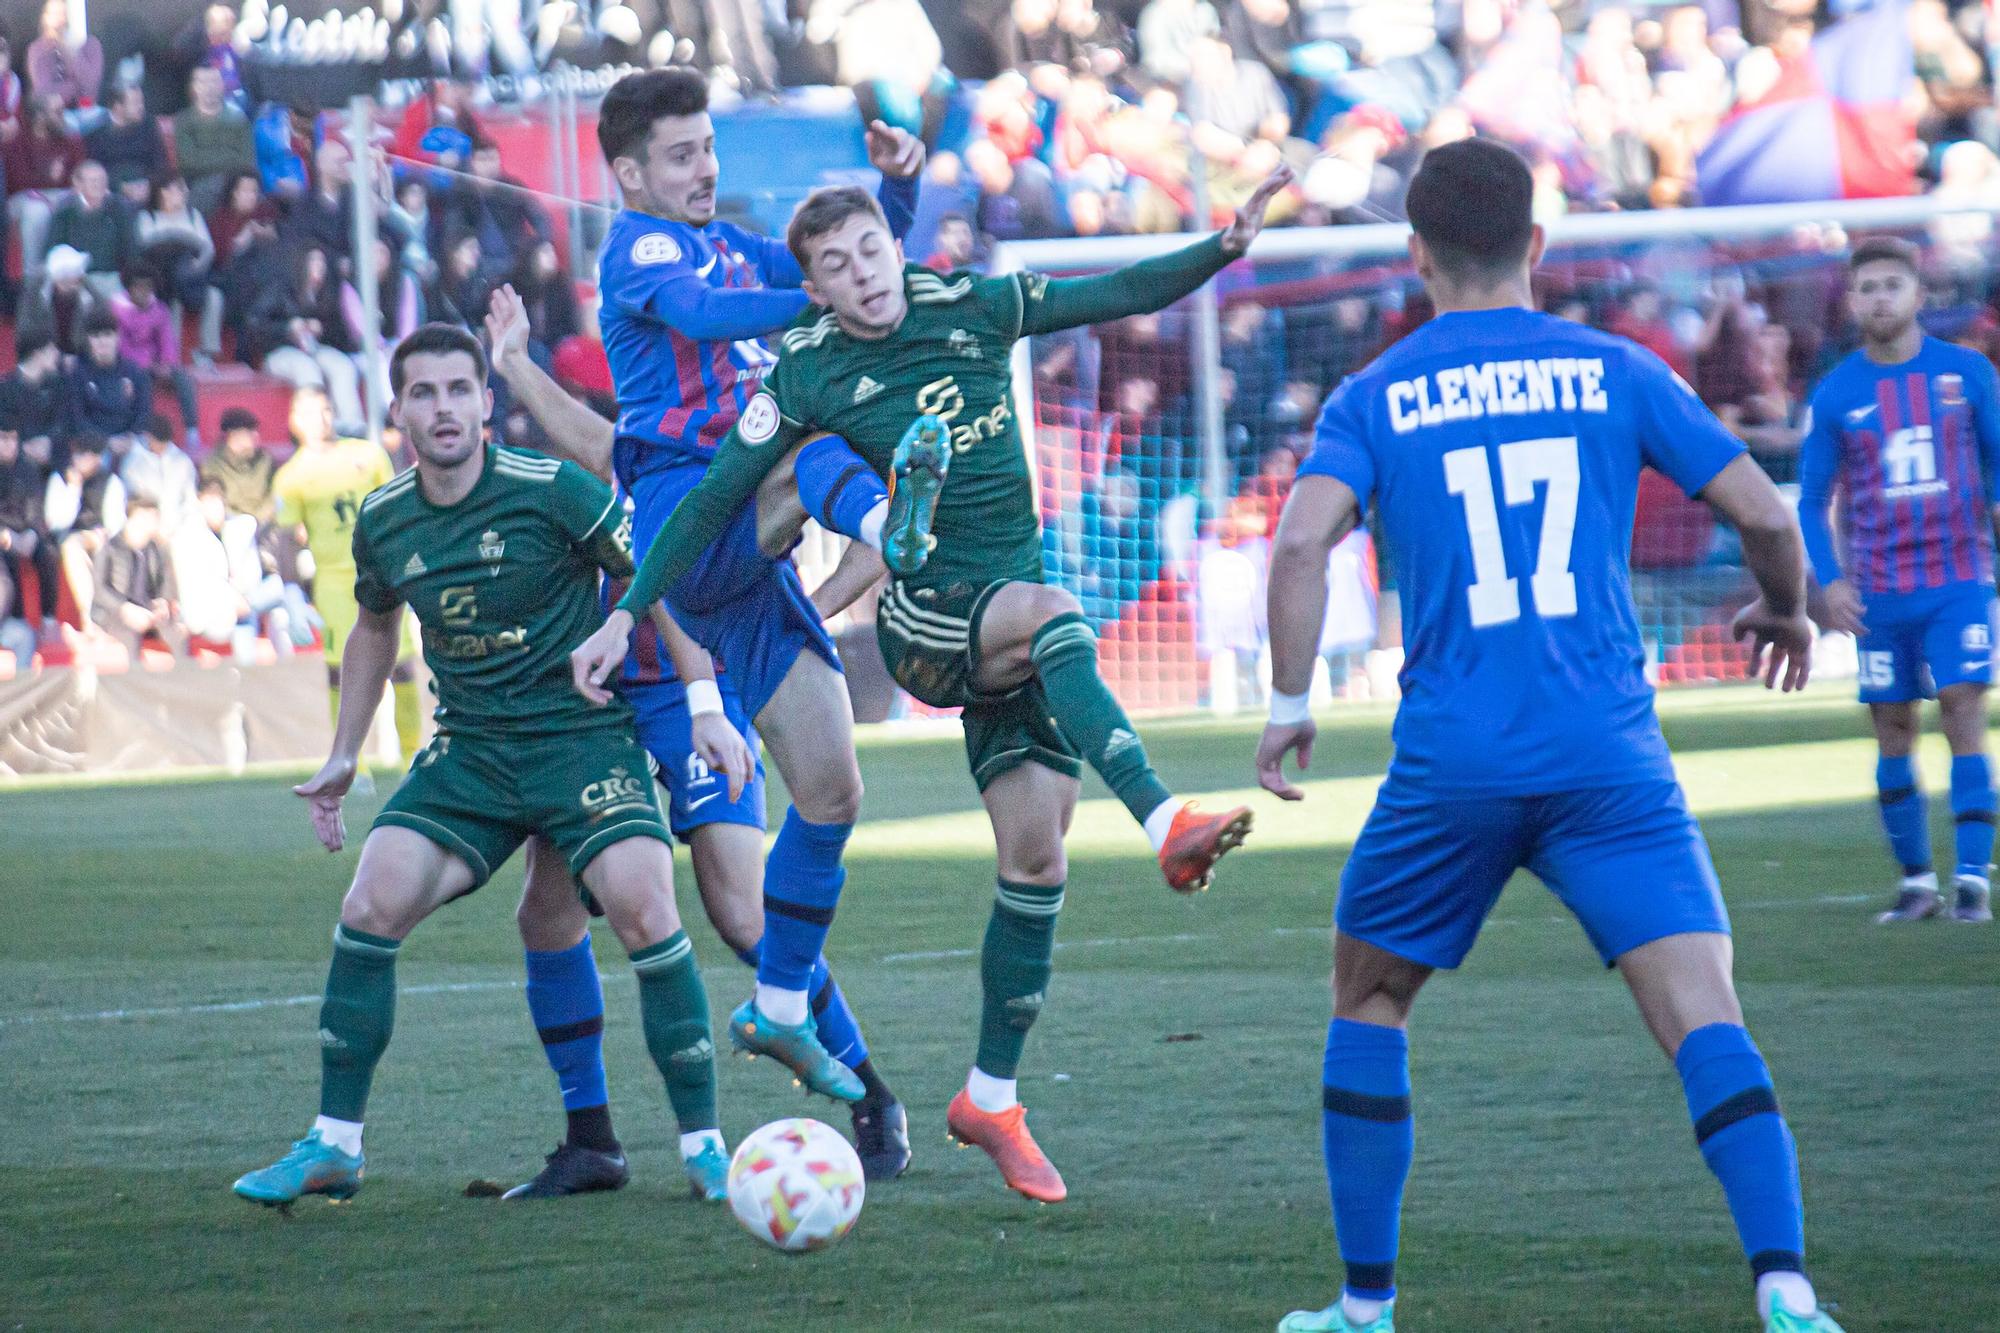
1473 203
141 500
238 418
138 270
99 321
211 483
1876 249
626 115
434 339
824 210
159 427
30 342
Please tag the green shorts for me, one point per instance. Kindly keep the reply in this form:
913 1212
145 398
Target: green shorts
480 797
929 638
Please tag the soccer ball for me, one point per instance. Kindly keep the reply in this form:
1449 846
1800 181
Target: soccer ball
796 1185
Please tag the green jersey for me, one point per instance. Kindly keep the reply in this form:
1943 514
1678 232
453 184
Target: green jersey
504 584
948 358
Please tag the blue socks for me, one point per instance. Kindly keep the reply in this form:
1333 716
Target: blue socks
1903 814
1972 813
1746 1143
802 881
1368 1137
839 1031
835 485
566 1000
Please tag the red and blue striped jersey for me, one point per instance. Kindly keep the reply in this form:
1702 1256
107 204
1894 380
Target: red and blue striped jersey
1913 450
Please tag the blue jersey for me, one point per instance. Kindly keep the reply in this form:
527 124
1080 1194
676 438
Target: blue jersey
683 309
1502 449
1912 449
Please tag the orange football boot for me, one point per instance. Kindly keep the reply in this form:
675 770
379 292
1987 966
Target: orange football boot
1196 841
1005 1138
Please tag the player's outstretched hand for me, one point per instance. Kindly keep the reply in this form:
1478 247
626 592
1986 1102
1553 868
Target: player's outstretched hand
323 792
595 659
1236 237
1780 646
722 747
1279 740
506 323
1844 608
892 151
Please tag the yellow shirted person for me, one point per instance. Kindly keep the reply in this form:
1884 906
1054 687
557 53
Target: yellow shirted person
319 491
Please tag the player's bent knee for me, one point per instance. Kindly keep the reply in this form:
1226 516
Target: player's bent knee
835 798
633 882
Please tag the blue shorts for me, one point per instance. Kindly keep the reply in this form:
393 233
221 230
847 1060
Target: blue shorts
1629 862
747 609
1920 642
696 794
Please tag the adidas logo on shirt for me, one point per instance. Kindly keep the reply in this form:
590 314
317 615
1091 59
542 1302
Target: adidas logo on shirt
865 388
1118 742
415 567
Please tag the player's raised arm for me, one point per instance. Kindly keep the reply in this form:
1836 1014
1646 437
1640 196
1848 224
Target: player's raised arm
575 432
1048 304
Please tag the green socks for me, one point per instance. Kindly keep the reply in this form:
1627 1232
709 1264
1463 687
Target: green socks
673 1009
1065 656
355 1020
1014 969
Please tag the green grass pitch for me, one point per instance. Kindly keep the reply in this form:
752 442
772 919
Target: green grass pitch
162 947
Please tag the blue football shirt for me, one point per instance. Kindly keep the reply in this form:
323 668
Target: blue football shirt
1502 449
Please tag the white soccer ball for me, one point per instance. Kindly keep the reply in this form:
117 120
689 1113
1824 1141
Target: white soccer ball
796 1185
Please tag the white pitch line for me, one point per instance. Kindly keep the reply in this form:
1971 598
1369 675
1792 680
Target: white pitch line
922 956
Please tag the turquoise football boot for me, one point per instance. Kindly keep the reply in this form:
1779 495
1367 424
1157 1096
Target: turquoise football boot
708 1173
1783 1320
1331 1320
313 1166
923 456
795 1047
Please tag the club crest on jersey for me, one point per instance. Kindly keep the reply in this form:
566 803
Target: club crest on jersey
759 421
655 247
492 546
1951 390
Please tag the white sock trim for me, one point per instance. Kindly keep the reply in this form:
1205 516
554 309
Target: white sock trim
342 1134
781 1006
1358 1311
692 1144
988 1093
1927 880
1161 821
1966 879
1792 1288
871 524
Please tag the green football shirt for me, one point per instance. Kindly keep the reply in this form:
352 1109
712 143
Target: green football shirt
504 584
948 358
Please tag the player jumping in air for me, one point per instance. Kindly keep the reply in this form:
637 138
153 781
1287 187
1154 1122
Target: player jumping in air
684 299
319 491
722 823
1502 449
912 368
498 553
1907 429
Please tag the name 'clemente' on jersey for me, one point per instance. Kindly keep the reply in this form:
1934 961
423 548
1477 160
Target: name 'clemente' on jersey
1498 389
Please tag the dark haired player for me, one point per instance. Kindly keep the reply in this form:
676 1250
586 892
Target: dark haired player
685 298
1907 429
498 553
1502 448
904 362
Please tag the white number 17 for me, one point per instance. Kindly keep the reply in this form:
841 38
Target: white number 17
1495 597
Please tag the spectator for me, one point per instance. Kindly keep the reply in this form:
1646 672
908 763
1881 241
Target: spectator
175 243
98 224
211 139
34 398
241 207
219 575
11 108
109 395
64 64
1240 122
297 332
157 468
128 143
499 210
397 306
242 467
549 295
461 292
58 308
438 126
85 505
1017 201
954 244
211 45
324 215
1167 32
411 213
149 337
40 163
25 547
134 601
286 139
